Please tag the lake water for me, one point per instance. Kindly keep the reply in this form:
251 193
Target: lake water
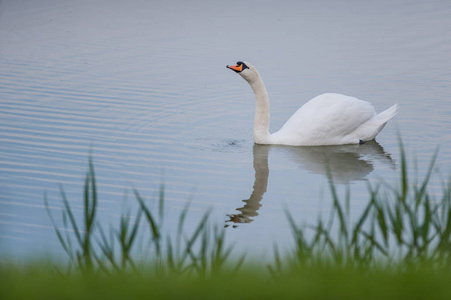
143 86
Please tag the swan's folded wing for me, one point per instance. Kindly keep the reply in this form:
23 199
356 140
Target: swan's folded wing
326 119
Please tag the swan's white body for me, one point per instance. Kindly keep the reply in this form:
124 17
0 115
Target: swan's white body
328 119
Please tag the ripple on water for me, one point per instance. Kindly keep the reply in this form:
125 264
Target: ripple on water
219 145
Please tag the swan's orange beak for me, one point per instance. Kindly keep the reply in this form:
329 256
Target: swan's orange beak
236 68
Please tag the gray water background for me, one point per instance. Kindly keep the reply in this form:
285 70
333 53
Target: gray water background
143 86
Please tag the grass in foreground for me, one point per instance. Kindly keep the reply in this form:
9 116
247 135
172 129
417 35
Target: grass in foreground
93 250
310 283
404 225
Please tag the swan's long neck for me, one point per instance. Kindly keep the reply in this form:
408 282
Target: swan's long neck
261 121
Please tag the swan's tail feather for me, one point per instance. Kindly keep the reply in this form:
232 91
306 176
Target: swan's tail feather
387 114
372 127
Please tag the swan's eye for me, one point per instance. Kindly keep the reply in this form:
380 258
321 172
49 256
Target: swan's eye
242 65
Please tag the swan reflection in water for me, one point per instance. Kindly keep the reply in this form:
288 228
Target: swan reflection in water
346 163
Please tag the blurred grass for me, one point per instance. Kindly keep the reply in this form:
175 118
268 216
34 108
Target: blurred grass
36 282
403 224
93 250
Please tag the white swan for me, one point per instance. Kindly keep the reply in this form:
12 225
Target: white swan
328 119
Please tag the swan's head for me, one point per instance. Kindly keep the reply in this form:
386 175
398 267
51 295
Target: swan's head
246 70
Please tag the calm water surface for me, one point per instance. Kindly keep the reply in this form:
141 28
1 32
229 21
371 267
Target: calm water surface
143 85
